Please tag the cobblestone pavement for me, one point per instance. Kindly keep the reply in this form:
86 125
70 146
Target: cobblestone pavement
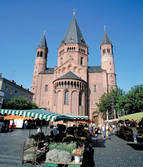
11 144
117 152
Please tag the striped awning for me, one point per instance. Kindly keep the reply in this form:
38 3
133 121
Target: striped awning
36 113
75 117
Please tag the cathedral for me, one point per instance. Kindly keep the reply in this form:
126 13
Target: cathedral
73 87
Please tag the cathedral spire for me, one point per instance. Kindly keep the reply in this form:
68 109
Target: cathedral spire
105 39
73 34
43 43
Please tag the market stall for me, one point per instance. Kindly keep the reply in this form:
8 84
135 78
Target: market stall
136 117
18 120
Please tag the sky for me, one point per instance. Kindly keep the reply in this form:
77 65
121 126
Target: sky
23 22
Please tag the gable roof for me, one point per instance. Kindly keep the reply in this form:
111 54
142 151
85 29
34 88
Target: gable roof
73 34
69 75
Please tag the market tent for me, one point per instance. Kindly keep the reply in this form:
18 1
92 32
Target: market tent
73 117
137 117
36 113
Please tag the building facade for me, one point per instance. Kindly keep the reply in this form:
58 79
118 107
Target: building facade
9 89
73 87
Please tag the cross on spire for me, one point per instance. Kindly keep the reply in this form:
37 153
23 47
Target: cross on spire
74 12
104 28
44 33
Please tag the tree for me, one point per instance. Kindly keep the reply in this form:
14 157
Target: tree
134 99
111 101
20 103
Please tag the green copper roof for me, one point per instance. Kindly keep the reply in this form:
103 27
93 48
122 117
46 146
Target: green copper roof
105 39
48 71
73 34
43 43
95 69
70 75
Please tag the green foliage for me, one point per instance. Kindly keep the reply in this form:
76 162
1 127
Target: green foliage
111 100
20 103
131 102
134 99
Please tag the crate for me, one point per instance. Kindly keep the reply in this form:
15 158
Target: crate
74 165
51 165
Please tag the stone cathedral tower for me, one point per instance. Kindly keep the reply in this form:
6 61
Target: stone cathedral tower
72 86
40 64
107 60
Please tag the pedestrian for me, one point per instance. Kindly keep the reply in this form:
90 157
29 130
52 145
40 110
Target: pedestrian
25 124
7 127
55 133
103 129
12 125
134 129
39 130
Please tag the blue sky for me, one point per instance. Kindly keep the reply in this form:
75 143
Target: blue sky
22 23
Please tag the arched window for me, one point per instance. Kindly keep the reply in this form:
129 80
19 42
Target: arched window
37 54
81 61
80 99
46 88
66 97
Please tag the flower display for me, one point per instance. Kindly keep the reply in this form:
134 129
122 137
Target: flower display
77 151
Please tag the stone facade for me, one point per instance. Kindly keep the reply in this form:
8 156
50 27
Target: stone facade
73 87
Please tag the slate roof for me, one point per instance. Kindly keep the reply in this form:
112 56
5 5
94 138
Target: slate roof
69 75
48 71
43 43
105 39
73 34
95 69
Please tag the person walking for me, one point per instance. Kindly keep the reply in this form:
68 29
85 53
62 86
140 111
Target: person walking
103 129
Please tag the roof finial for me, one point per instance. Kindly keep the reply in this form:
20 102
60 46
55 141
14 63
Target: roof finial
74 12
44 33
104 28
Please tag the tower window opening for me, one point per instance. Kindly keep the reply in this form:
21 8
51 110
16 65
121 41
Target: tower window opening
41 54
81 61
104 51
66 101
108 50
37 54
